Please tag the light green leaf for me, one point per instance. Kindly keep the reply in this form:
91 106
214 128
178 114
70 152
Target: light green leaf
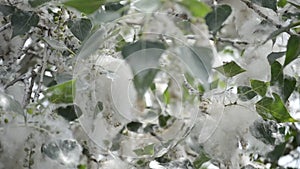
281 3
22 21
230 69
273 109
272 4
61 93
198 61
147 6
216 18
201 159
259 87
8 104
197 8
80 27
289 85
36 3
85 6
273 56
245 93
58 45
167 96
147 150
293 49
143 58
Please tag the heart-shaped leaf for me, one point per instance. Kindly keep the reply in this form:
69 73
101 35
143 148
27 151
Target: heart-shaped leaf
22 21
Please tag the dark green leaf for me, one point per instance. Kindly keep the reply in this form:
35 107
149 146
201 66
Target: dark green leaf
278 151
141 45
273 109
201 159
22 21
163 120
197 8
61 93
230 69
143 58
276 73
272 4
261 130
273 56
216 18
6 9
147 150
36 3
80 27
134 126
198 60
85 6
289 84
245 93
259 87
293 49
67 112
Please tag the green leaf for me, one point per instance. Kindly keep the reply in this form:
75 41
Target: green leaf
289 85
273 56
143 58
81 166
61 93
8 104
273 109
293 49
163 120
261 130
167 96
230 69
278 151
147 6
6 9
80 27
281 3
245 93
276 73
36 3
198 61
216 18
134 126
58 45
85 6
67 112
147 150
214 84
272 4
200 160
259 87
197 8
22 21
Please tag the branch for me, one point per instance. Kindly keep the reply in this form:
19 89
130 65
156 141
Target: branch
5 27
231 41
256 10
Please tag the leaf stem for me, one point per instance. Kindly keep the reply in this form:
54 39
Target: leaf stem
5 27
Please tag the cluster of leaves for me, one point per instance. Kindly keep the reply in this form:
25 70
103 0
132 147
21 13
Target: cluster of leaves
76 20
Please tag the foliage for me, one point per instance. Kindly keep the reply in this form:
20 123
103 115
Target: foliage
149 84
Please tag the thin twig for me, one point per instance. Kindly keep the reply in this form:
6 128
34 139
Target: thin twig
19 78
256 10
5 27
233 42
